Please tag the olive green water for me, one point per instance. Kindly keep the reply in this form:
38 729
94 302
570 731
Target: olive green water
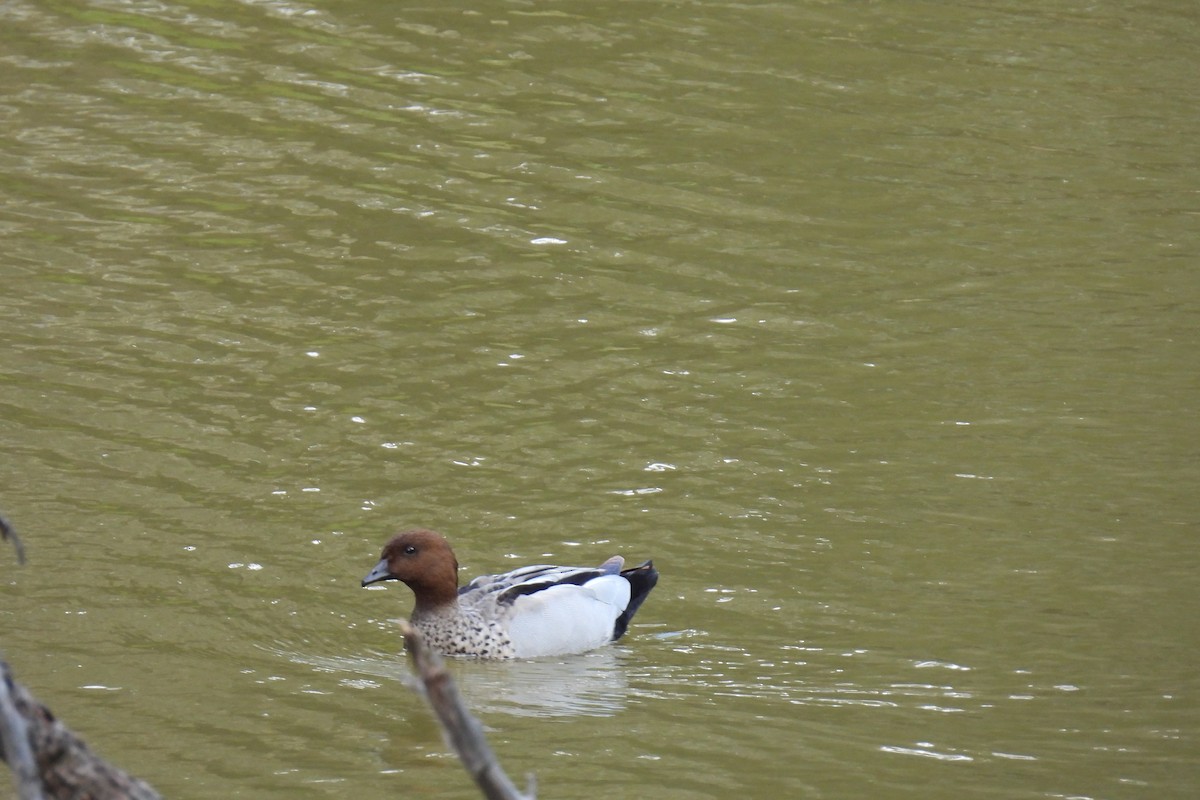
874 324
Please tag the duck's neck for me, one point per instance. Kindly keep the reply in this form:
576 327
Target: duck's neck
436 589
435 603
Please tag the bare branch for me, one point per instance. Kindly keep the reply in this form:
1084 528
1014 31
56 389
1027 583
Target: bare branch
62 764
462 730
14 734
8 532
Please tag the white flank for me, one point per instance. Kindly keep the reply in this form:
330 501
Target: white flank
567 618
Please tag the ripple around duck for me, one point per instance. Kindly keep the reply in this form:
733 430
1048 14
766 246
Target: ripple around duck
590 685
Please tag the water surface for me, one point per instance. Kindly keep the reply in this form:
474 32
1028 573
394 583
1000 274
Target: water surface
874 325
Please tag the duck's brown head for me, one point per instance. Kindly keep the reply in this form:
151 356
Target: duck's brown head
424 561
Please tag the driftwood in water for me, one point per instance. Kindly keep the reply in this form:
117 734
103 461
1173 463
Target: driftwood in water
62 765
49 762
463 731
9 534
14 738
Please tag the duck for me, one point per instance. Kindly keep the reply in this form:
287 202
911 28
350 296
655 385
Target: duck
530 612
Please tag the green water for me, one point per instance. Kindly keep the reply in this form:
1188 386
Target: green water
874 325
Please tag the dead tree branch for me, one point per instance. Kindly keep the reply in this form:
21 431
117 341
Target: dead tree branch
9 533
462 730
65 768
49 762
14 735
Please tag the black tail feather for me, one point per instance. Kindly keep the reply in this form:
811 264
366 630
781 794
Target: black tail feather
642 579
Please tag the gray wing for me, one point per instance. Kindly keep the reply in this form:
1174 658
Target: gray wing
506 587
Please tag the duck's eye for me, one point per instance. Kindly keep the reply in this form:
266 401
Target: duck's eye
410 549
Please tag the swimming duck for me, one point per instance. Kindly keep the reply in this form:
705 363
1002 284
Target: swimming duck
532 611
